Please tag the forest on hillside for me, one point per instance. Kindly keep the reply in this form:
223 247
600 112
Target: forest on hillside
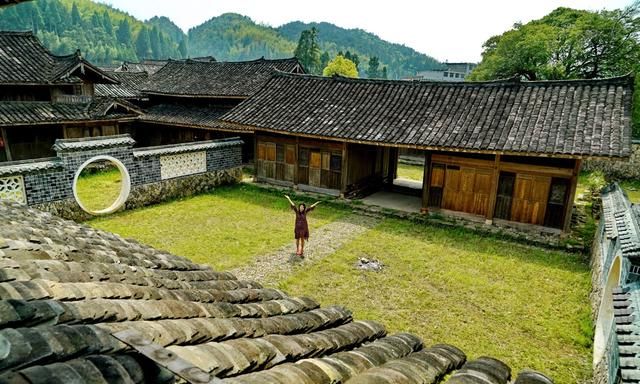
108 36
103 34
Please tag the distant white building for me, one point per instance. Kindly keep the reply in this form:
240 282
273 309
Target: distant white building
453 72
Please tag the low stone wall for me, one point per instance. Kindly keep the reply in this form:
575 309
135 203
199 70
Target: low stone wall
156 174
618 170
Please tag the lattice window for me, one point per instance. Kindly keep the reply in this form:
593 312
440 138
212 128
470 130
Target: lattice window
183 164
12 189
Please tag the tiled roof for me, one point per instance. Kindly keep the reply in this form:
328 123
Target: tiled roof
85 306
89 143
575 118
28 166
44 112
184 115
216 79
129 88
24 60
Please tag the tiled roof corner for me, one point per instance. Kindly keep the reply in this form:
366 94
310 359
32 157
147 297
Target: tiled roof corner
88 143
186 147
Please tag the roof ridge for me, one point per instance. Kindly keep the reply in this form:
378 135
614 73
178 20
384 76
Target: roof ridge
626 78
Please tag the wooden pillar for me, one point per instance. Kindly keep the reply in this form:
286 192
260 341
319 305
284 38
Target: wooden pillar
296 176
568 209
494 191
344 170
426 182
7 151
255 158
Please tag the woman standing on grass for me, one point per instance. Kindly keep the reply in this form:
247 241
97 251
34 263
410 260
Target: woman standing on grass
302 228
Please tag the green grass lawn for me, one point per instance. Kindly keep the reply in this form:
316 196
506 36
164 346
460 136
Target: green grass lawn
99 190
411 172
524 305
226 228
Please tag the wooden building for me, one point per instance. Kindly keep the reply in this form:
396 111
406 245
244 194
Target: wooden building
44 97
504 150
187 97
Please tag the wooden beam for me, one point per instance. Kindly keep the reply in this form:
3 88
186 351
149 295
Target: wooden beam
568 210
493 196
426 183
7 151
345 169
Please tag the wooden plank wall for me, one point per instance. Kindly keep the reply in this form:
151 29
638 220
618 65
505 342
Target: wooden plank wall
470 185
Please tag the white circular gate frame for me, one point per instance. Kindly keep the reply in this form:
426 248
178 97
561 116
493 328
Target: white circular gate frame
125 187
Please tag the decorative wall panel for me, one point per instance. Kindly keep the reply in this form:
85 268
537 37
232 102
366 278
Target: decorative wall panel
183 164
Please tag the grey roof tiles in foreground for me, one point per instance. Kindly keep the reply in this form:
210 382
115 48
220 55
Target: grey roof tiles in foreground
66 289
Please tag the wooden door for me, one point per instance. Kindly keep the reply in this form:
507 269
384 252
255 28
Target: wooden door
481 191
504 198
450 196
315 169
436 185
530 198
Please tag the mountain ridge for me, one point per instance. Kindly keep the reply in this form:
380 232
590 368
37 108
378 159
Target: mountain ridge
108 36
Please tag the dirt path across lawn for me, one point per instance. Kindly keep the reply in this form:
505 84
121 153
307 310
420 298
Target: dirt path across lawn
323 242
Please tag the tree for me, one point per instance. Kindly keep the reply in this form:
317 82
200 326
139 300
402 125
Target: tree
75 15
324 59
384 73
373 71
154 42
341 66
565 44
143 45
106 22
308 51
124 32
182 48
353 57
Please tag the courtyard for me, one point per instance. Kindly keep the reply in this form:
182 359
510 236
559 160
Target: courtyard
526 305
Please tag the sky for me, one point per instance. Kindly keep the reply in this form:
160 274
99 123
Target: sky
447 30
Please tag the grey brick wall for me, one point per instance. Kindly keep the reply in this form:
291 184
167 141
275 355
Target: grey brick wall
51 180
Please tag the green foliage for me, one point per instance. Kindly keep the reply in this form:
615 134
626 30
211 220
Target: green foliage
401 60
233 37
324 59
308 52
384 74
567 44
341 66
351 56
373 71
103 34
143 44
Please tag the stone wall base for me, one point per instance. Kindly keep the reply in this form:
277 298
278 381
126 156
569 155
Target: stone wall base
152 193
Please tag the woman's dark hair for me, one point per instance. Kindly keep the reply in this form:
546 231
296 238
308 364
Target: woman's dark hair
304 206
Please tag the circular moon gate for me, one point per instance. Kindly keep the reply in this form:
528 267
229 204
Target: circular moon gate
125 187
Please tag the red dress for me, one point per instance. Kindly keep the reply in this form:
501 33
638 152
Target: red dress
302 228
